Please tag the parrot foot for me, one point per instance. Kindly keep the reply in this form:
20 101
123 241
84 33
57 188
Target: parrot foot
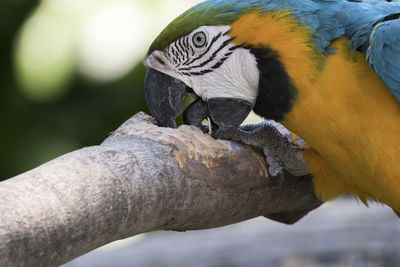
280 152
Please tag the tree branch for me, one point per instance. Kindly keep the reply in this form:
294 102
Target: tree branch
142 178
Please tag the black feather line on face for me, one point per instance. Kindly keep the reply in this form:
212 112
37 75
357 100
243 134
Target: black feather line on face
208 49
276 93
181 51
190 71
219 63
211 58
187 47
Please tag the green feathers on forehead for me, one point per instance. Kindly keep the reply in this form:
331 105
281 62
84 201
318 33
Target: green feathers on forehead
201 15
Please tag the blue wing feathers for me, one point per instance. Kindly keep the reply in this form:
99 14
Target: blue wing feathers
393 73
384 54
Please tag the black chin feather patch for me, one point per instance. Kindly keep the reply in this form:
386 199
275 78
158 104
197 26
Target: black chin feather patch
275 91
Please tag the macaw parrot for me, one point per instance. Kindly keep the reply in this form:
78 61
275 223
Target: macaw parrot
328 70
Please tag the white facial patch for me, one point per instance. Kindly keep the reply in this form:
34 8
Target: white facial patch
212 67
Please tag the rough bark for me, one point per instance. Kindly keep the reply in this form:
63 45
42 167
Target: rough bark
140 179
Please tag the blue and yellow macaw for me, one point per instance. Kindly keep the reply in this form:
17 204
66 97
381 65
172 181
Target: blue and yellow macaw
328 70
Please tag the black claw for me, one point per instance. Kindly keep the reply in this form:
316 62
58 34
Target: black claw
281 180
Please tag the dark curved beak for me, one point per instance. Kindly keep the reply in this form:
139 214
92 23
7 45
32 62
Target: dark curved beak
164 97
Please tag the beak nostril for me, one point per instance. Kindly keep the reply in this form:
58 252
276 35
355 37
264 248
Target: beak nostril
160 61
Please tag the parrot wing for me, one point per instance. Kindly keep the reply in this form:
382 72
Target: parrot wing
383 54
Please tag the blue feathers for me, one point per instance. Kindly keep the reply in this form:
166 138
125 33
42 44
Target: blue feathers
383 55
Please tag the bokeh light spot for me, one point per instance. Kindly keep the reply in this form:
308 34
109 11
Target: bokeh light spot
44 57
112 40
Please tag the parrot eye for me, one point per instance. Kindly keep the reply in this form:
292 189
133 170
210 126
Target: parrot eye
199 39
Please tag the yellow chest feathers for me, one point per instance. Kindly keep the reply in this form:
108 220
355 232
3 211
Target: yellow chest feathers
342 110
352 123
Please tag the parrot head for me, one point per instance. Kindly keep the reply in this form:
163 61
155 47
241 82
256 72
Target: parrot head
221 53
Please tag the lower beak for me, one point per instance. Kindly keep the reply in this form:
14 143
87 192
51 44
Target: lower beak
164 97
225 114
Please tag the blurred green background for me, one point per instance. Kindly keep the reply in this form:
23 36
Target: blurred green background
71 72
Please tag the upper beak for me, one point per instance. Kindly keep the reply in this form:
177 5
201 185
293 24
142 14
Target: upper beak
164 97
